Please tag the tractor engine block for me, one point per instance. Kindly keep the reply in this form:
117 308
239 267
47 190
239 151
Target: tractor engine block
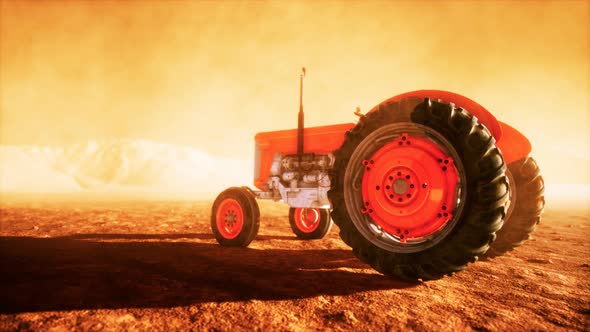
301 183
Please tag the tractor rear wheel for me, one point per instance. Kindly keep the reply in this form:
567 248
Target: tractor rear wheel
527 202
310 223
419 189
235 217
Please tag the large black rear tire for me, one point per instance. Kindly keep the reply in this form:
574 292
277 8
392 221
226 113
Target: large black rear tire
482 205
526 202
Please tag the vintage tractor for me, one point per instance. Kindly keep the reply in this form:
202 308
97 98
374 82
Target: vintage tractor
424 183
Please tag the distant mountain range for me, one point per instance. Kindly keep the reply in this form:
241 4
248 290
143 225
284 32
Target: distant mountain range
119 165
143 166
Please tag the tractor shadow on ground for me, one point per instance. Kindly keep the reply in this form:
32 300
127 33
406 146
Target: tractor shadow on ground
175 236
109 271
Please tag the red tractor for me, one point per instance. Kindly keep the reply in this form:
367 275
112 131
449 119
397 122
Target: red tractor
424 183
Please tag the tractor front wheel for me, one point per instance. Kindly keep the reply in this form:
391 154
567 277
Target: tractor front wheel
235 217
310 223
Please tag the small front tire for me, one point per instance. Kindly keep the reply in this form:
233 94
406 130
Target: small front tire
235 217
310 223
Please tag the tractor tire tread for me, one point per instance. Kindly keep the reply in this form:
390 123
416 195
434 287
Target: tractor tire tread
529 205
484 212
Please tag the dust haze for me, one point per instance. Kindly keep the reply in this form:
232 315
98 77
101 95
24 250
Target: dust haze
207 76
100 99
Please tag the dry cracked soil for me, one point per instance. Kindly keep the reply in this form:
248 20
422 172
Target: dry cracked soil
104 264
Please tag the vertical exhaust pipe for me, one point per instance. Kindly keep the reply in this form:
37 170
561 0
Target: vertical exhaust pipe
300 123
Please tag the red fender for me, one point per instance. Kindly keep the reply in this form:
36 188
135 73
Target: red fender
514 145
511 142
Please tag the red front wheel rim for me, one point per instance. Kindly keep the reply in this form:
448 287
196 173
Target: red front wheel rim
409 187
307 219
229 218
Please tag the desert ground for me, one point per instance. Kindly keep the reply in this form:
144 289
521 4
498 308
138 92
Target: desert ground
123 264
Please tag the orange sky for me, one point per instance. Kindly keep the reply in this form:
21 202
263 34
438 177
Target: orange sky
211 74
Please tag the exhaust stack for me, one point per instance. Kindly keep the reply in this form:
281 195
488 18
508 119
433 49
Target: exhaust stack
300 120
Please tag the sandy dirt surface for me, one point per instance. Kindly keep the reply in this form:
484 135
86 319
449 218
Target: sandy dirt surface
138 265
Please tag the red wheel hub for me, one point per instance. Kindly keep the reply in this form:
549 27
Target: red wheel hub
409 187
307 219
229 218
